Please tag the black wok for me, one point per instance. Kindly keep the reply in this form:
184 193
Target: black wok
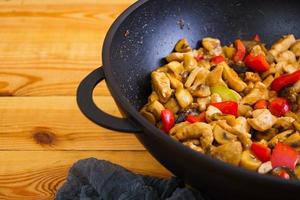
135 45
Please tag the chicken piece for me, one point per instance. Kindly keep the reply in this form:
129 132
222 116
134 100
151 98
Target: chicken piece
191 78
296 48
214 78
279 66
292 67
148 115
253 77
259 92
175 56
212 45
232 78
155 107
280 137
262 120
200 78
172 105
202 91
161 85
230 152
175 83
199 130
282 44
211 110
287 56
194 144
284 122
203 103
176 67
184 98
153 96
189 62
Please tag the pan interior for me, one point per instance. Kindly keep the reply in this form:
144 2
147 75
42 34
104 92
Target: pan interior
150 32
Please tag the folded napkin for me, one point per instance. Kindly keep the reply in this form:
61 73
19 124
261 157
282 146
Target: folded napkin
93 179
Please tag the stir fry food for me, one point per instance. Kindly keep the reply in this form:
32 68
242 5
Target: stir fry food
239 103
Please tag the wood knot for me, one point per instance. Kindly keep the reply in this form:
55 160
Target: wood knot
44 136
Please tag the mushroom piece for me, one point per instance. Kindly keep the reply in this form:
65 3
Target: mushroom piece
161 85
155 107
203 103
212 45
280 137
249 161
282 44
175 56
211 110
293 141
194 144
232 78
222 136
296 48
183 46
214 78
259 92
199 130
230 152
284 122
262 120
245 110
265 168
184 98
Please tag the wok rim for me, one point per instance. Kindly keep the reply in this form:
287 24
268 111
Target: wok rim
144 124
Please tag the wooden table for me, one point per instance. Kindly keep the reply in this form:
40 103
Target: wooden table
46 48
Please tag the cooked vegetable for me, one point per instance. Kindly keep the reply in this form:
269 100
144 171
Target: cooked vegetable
285 80
167 118
238 103
284 156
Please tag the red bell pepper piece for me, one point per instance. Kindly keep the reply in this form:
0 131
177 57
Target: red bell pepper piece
284 156
285 80
168 119
256 38
257 63
199 57
279 107
261 104
262 152
217 59
198 118
227 107
240 51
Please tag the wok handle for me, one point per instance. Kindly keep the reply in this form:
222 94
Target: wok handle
90 110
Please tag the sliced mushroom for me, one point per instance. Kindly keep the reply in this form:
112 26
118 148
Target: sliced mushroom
175 56
194 144
222 136
230 152
203 103
262 119
232 78
161 85
183 46
212 45
155 107
249 161
296 48
199 130
265 168
280 137
293 141
172 105
211 110
284 122
214 78
259 92
245 110
184 98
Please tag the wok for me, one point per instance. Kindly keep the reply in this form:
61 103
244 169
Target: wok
136 44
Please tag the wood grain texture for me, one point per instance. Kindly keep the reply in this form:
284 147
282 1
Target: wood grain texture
41 39
55 123
40 175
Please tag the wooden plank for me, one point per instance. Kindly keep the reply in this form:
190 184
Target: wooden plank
39 175
55 123
40 40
